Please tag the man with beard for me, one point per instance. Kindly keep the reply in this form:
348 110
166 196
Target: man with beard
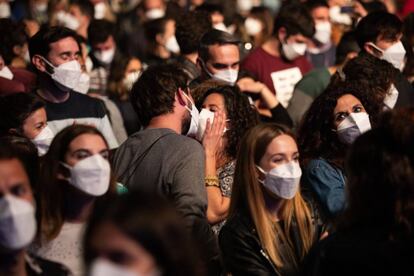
160 160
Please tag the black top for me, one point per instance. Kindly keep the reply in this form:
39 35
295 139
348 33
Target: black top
38 266
75 107
243 253
361 251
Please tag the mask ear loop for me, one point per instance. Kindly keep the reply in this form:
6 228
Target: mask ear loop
49 65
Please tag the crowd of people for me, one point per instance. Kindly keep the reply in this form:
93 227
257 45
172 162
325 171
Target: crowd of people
203 137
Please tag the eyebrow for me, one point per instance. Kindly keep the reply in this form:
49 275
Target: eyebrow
225 65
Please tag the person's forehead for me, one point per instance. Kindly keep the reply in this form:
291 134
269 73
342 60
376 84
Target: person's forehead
226 52
12 170
67 44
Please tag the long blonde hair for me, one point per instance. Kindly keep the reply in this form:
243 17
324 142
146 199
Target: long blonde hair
248 195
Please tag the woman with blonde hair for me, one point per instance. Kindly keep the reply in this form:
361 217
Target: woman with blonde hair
270 227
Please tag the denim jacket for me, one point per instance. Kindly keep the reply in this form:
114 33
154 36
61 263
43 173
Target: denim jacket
327 183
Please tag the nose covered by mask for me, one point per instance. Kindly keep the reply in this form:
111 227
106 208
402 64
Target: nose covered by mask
227 75
102 267
67 20
253 26
17 222
131 78
172 45
90 175
105 56
323 32
283 180
43 140
293 50
66 75
395 54
353 126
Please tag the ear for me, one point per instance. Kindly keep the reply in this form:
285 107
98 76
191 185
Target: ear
282 33
371 50
39 63
13 131
159 38
17 50
180 97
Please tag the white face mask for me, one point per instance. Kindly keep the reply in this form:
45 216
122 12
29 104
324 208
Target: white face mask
5 11
323 32
338 17
394 54
352 127
83 84
67 20
102 267
6 73
226 75
192 131
41 7
293 50
105 56
100 10
205 114
91 175
221 27
283 180
43 140
17 222
131 78
391 98
172 45
66 74
253 26
154 14
244 5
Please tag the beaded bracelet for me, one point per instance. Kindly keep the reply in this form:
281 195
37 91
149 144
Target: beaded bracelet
211 181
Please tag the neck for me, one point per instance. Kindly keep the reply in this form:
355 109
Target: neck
13 264
83 31
77 206
169 121
192 57
50 92
162 52
272 46
273 205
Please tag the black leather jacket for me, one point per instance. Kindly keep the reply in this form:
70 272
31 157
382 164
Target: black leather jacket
242 250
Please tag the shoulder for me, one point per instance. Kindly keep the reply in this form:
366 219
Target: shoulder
42 266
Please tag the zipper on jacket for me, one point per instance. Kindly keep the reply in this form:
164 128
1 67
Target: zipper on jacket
269 260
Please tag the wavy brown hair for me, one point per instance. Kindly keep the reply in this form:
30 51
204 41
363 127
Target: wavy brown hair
52 194
248 196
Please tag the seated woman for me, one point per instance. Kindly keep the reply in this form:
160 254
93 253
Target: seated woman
233 116
122 76
17 211
375 234
334 120
138 234
270 227
75 172
25 115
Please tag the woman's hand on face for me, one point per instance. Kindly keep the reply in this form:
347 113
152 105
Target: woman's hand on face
213 136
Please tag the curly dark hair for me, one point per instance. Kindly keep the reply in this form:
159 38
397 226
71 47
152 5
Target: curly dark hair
373 74
240 112
316 135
